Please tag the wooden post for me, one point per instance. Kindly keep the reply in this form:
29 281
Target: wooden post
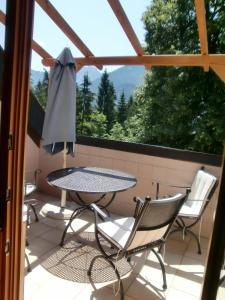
19 28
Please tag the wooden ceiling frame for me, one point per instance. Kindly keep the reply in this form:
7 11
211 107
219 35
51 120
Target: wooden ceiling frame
195 60
2 17
35 46
52 12
126 25
202 29
205 60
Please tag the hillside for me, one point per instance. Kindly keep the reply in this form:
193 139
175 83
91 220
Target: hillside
92 72
126 79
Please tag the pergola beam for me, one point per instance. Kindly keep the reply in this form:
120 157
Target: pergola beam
64 26
39 50
201 21
153 60
35 46
2 17
126 25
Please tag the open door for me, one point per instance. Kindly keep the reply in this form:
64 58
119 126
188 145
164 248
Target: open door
13 126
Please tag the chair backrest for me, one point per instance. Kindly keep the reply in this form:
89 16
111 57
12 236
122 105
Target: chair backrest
160 212
31 187
201 192
155 216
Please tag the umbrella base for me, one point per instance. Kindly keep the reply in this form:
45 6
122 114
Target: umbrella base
54 211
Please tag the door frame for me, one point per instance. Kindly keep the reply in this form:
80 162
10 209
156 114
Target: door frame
15 97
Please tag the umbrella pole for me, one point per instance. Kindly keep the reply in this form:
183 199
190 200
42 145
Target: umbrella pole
63 194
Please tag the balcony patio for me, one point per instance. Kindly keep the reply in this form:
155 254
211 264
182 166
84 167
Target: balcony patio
66 268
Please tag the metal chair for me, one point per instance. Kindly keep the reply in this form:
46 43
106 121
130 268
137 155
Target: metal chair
147 229
202 189
29 189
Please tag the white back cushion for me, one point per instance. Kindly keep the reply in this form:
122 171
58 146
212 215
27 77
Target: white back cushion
200 189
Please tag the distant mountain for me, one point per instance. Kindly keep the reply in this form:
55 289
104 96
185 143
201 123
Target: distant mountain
92 73
126 79
36 76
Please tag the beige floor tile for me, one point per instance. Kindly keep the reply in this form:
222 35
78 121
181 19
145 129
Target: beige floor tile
144 290
38 247
191 252
175 246
221 293
58 289
204 243
179 237
192 267
54 236
187 283
38 228
174 294
151 272
100 294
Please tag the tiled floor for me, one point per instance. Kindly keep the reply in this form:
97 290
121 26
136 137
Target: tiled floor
60 273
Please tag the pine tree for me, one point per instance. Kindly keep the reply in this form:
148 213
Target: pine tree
41 90
86 101
106 99
122 110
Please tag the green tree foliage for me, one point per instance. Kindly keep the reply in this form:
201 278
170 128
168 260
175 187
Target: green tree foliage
106 99
84 99
122 110
96 126
117 133
183 107
41 90
87 97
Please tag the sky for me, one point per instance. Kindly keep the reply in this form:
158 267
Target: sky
93 21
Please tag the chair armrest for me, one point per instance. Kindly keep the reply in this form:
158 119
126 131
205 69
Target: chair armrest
97 210
138 199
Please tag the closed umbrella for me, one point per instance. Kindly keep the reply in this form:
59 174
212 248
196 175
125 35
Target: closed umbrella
60 116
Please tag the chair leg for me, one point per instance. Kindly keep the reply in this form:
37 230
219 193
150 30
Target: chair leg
197 240
35 213
162 268
73 216
114 268
28 263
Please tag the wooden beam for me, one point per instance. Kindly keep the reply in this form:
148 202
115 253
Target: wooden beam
35 46
2 17
41 51
15 100
126 25
154 60
219 70
64 26
201 21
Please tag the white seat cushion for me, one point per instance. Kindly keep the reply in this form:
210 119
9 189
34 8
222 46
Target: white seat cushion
29 188
200 189
117 231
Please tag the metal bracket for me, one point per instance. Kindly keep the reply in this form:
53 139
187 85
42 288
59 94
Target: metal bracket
10 142
7 247
8 195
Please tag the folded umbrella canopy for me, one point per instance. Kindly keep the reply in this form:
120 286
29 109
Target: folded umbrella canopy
60 116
